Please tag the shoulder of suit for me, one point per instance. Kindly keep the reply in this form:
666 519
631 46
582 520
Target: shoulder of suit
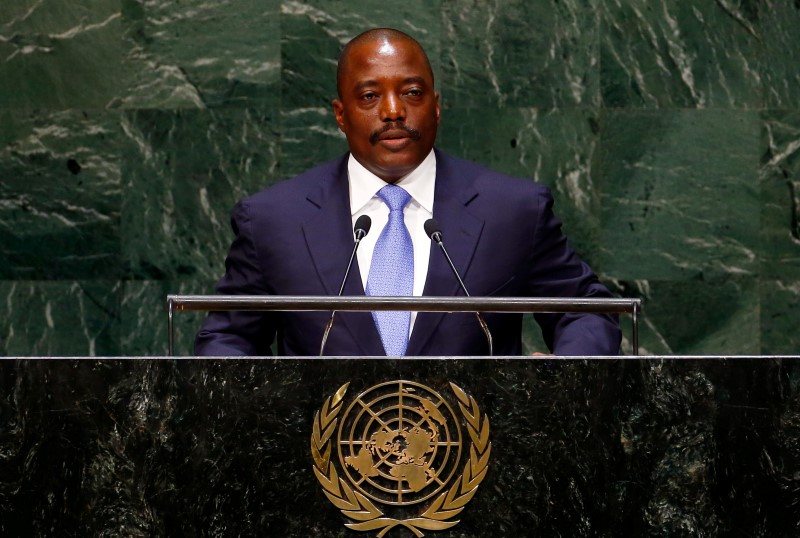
299 185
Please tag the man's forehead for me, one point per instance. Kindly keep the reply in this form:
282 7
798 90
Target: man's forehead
383 52
386 47
377 49
367 82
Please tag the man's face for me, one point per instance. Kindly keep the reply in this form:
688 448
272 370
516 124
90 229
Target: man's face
387 109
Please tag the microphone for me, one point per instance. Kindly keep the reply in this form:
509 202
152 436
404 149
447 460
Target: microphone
360 230
435 233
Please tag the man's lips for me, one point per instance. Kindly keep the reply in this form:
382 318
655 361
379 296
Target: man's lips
395 144
394 140
394 134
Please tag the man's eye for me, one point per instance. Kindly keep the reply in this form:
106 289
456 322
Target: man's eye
414 93
368 96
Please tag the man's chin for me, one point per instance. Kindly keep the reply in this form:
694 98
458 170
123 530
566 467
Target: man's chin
389 165
393 171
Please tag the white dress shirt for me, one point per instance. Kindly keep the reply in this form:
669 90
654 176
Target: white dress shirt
419 183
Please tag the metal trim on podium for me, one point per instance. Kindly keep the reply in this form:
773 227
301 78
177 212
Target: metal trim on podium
296 303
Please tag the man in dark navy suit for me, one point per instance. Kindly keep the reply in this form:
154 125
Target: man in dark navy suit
295 238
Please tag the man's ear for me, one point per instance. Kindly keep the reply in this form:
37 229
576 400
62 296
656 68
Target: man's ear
438 109
338 113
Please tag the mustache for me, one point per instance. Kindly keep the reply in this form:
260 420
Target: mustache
394 126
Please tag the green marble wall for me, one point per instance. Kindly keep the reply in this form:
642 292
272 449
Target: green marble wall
669 132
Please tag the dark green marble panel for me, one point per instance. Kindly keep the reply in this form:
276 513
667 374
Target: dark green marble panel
679 194
56 54
779 22
667 205
695 317
780 192
552 147
60 318
184 172
144 316
313 33
202 53
309 137
59 195
780 231
780 312
692 53
520 53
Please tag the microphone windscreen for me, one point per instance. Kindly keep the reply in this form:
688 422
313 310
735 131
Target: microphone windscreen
432 227
362 223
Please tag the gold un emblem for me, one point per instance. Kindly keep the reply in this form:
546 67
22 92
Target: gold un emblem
401 457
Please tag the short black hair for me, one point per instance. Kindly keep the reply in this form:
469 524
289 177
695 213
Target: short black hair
375 34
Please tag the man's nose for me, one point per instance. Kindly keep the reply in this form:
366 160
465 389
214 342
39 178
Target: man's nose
392 108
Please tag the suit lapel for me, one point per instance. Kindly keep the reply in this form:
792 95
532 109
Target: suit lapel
329 239
461 231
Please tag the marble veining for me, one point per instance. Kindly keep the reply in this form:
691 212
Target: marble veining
656 53
592 447
668 132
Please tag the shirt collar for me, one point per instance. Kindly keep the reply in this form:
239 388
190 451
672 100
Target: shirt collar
419 183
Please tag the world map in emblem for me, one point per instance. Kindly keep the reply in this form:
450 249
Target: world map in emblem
399 443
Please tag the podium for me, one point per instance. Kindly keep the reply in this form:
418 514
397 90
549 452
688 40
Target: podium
580 446
413 446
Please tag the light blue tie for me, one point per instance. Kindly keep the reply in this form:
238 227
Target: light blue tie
392 271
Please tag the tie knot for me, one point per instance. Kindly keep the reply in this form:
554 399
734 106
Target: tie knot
395 197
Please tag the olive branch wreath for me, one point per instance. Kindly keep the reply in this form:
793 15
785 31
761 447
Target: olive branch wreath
359 508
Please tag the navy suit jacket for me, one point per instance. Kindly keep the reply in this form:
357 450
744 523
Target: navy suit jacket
295 238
